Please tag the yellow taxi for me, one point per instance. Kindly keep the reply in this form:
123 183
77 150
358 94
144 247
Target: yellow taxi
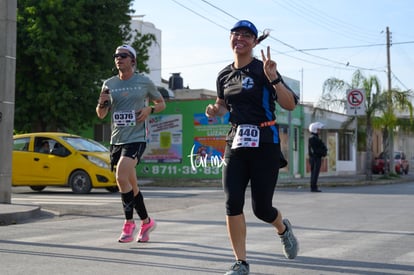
61 159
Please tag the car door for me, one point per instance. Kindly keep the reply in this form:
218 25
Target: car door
53 165
22 161
34 166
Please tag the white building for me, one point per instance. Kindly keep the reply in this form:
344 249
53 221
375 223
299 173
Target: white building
154 62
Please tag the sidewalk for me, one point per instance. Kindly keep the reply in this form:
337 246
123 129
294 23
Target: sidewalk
15 213
345 180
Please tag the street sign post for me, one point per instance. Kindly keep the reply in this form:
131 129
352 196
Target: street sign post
355 102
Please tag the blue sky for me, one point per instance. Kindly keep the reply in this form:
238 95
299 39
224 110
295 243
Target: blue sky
311 41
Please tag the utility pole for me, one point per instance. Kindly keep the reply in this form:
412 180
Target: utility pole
388 59
301 86
8 10
390 141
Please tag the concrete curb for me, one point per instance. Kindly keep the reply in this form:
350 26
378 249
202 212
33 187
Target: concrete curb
14 213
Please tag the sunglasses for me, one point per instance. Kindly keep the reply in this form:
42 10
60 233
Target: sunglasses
245 35
121 55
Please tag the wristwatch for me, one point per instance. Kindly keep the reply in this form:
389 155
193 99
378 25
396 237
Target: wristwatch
277 80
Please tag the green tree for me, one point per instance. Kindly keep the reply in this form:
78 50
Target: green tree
334 96
141 44
64 51
380 110
393 101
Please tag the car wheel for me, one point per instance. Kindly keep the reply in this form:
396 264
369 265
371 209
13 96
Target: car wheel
80 182
37 188
112 189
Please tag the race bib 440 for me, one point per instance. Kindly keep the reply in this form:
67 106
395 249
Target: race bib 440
246 136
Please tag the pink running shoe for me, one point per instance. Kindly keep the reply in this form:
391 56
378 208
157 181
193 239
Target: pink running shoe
127 234
146 228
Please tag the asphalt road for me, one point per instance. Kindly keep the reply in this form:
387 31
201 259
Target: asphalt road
344 230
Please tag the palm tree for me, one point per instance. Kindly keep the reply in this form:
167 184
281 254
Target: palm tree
334 98
393 101
380 110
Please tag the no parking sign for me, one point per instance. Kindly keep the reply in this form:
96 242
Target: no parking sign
355 99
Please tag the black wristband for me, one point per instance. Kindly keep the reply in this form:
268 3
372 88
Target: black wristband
277 80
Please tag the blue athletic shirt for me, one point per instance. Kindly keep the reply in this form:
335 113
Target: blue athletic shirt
250 98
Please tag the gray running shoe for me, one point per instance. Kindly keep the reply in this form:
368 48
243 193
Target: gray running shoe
238 268
289 242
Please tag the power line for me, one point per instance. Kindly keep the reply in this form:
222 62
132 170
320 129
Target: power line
217 8
399 81
198 14
228 14
343 65
356 46
326 21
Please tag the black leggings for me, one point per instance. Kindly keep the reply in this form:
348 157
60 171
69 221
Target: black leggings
260 167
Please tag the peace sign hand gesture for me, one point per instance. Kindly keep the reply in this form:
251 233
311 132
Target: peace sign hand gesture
269 66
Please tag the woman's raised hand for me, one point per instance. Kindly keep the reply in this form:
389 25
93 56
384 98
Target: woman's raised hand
269 66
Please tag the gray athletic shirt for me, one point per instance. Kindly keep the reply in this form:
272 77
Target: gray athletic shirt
126 96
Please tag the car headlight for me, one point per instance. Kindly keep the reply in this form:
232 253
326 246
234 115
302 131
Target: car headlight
97 161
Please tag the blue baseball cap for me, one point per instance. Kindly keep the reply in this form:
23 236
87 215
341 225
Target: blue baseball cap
245 24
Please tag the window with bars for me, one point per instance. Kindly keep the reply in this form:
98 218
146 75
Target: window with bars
345 146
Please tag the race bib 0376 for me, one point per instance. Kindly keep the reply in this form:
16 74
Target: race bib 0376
124 118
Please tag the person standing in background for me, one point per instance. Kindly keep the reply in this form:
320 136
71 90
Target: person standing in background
248 89
125 97
316 150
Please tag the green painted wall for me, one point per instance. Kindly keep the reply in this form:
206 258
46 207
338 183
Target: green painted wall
199 154
184 143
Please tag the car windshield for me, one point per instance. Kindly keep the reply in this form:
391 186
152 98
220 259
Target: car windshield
87 145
